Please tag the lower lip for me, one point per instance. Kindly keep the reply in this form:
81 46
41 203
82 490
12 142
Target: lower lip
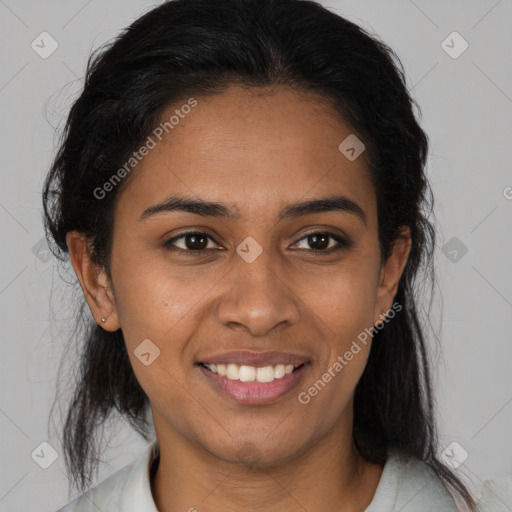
255 392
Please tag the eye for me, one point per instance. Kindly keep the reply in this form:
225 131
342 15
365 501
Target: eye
197 242
192 242
319 241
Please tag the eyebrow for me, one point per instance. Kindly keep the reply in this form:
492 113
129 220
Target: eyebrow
221 210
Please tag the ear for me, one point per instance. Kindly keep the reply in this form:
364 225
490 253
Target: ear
391 272
94 281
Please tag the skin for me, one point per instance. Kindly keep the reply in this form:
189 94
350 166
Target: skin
258 150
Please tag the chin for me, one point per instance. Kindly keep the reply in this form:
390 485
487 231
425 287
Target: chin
256 452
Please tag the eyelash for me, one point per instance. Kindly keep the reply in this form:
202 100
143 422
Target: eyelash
342 243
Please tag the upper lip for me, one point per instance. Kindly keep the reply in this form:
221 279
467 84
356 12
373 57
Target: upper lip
258 359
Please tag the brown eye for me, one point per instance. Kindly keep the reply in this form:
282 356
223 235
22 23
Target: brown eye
193 241
320 241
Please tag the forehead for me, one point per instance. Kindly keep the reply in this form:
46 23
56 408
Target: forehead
254 148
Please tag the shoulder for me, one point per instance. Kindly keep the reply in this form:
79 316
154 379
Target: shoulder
410 485
127 490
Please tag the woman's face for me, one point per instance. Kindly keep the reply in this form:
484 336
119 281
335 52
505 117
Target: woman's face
256 283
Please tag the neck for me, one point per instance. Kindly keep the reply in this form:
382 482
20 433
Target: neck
330 476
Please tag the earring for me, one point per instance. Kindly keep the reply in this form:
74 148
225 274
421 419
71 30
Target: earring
103 319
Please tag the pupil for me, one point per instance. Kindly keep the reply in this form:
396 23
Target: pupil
314 239
194 242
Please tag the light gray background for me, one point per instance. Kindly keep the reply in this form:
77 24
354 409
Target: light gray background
467 112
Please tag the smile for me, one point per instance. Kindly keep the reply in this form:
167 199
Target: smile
253 385
245 373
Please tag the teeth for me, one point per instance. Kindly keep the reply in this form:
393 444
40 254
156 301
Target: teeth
268 373
232 372
246 373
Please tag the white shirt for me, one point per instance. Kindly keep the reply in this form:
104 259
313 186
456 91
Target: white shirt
406 485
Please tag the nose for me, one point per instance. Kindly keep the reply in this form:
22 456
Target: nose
256 298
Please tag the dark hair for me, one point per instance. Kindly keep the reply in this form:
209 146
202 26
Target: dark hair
199 47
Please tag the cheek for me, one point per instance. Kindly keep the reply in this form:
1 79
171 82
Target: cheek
335 378
343 299
150 301
343 303
154 305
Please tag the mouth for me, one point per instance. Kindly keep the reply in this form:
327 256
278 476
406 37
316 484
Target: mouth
247 384
246 373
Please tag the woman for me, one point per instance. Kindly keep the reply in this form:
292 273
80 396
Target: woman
241 191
